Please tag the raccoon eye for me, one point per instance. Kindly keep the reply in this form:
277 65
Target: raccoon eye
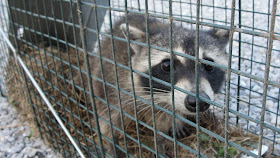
165 65
209 68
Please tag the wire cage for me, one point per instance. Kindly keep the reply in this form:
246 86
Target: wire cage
50 49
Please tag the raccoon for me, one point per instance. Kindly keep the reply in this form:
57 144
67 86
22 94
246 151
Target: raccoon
117 87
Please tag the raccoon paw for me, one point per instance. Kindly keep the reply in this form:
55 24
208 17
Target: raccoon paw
164 151
182 132
168 154
164 147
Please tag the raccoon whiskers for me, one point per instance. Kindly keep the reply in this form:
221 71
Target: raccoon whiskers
141 88
155 89
155 115
165 107
146 97
145 108
169 118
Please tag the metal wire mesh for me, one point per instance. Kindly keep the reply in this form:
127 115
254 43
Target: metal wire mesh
58 40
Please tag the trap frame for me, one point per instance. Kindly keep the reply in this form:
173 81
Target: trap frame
49 40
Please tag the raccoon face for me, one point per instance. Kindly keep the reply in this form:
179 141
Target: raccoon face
212 48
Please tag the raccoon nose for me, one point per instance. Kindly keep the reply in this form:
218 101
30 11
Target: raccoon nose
190 103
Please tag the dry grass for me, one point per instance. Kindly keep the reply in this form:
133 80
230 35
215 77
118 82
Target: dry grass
50 78
209 146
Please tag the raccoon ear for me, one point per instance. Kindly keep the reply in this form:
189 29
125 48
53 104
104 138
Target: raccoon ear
220 34
134 34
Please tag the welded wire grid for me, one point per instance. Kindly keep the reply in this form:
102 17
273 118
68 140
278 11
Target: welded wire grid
250 97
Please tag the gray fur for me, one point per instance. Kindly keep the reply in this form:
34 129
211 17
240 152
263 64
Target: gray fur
212 45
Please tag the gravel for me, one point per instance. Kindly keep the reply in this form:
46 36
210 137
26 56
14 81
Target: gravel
16 136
